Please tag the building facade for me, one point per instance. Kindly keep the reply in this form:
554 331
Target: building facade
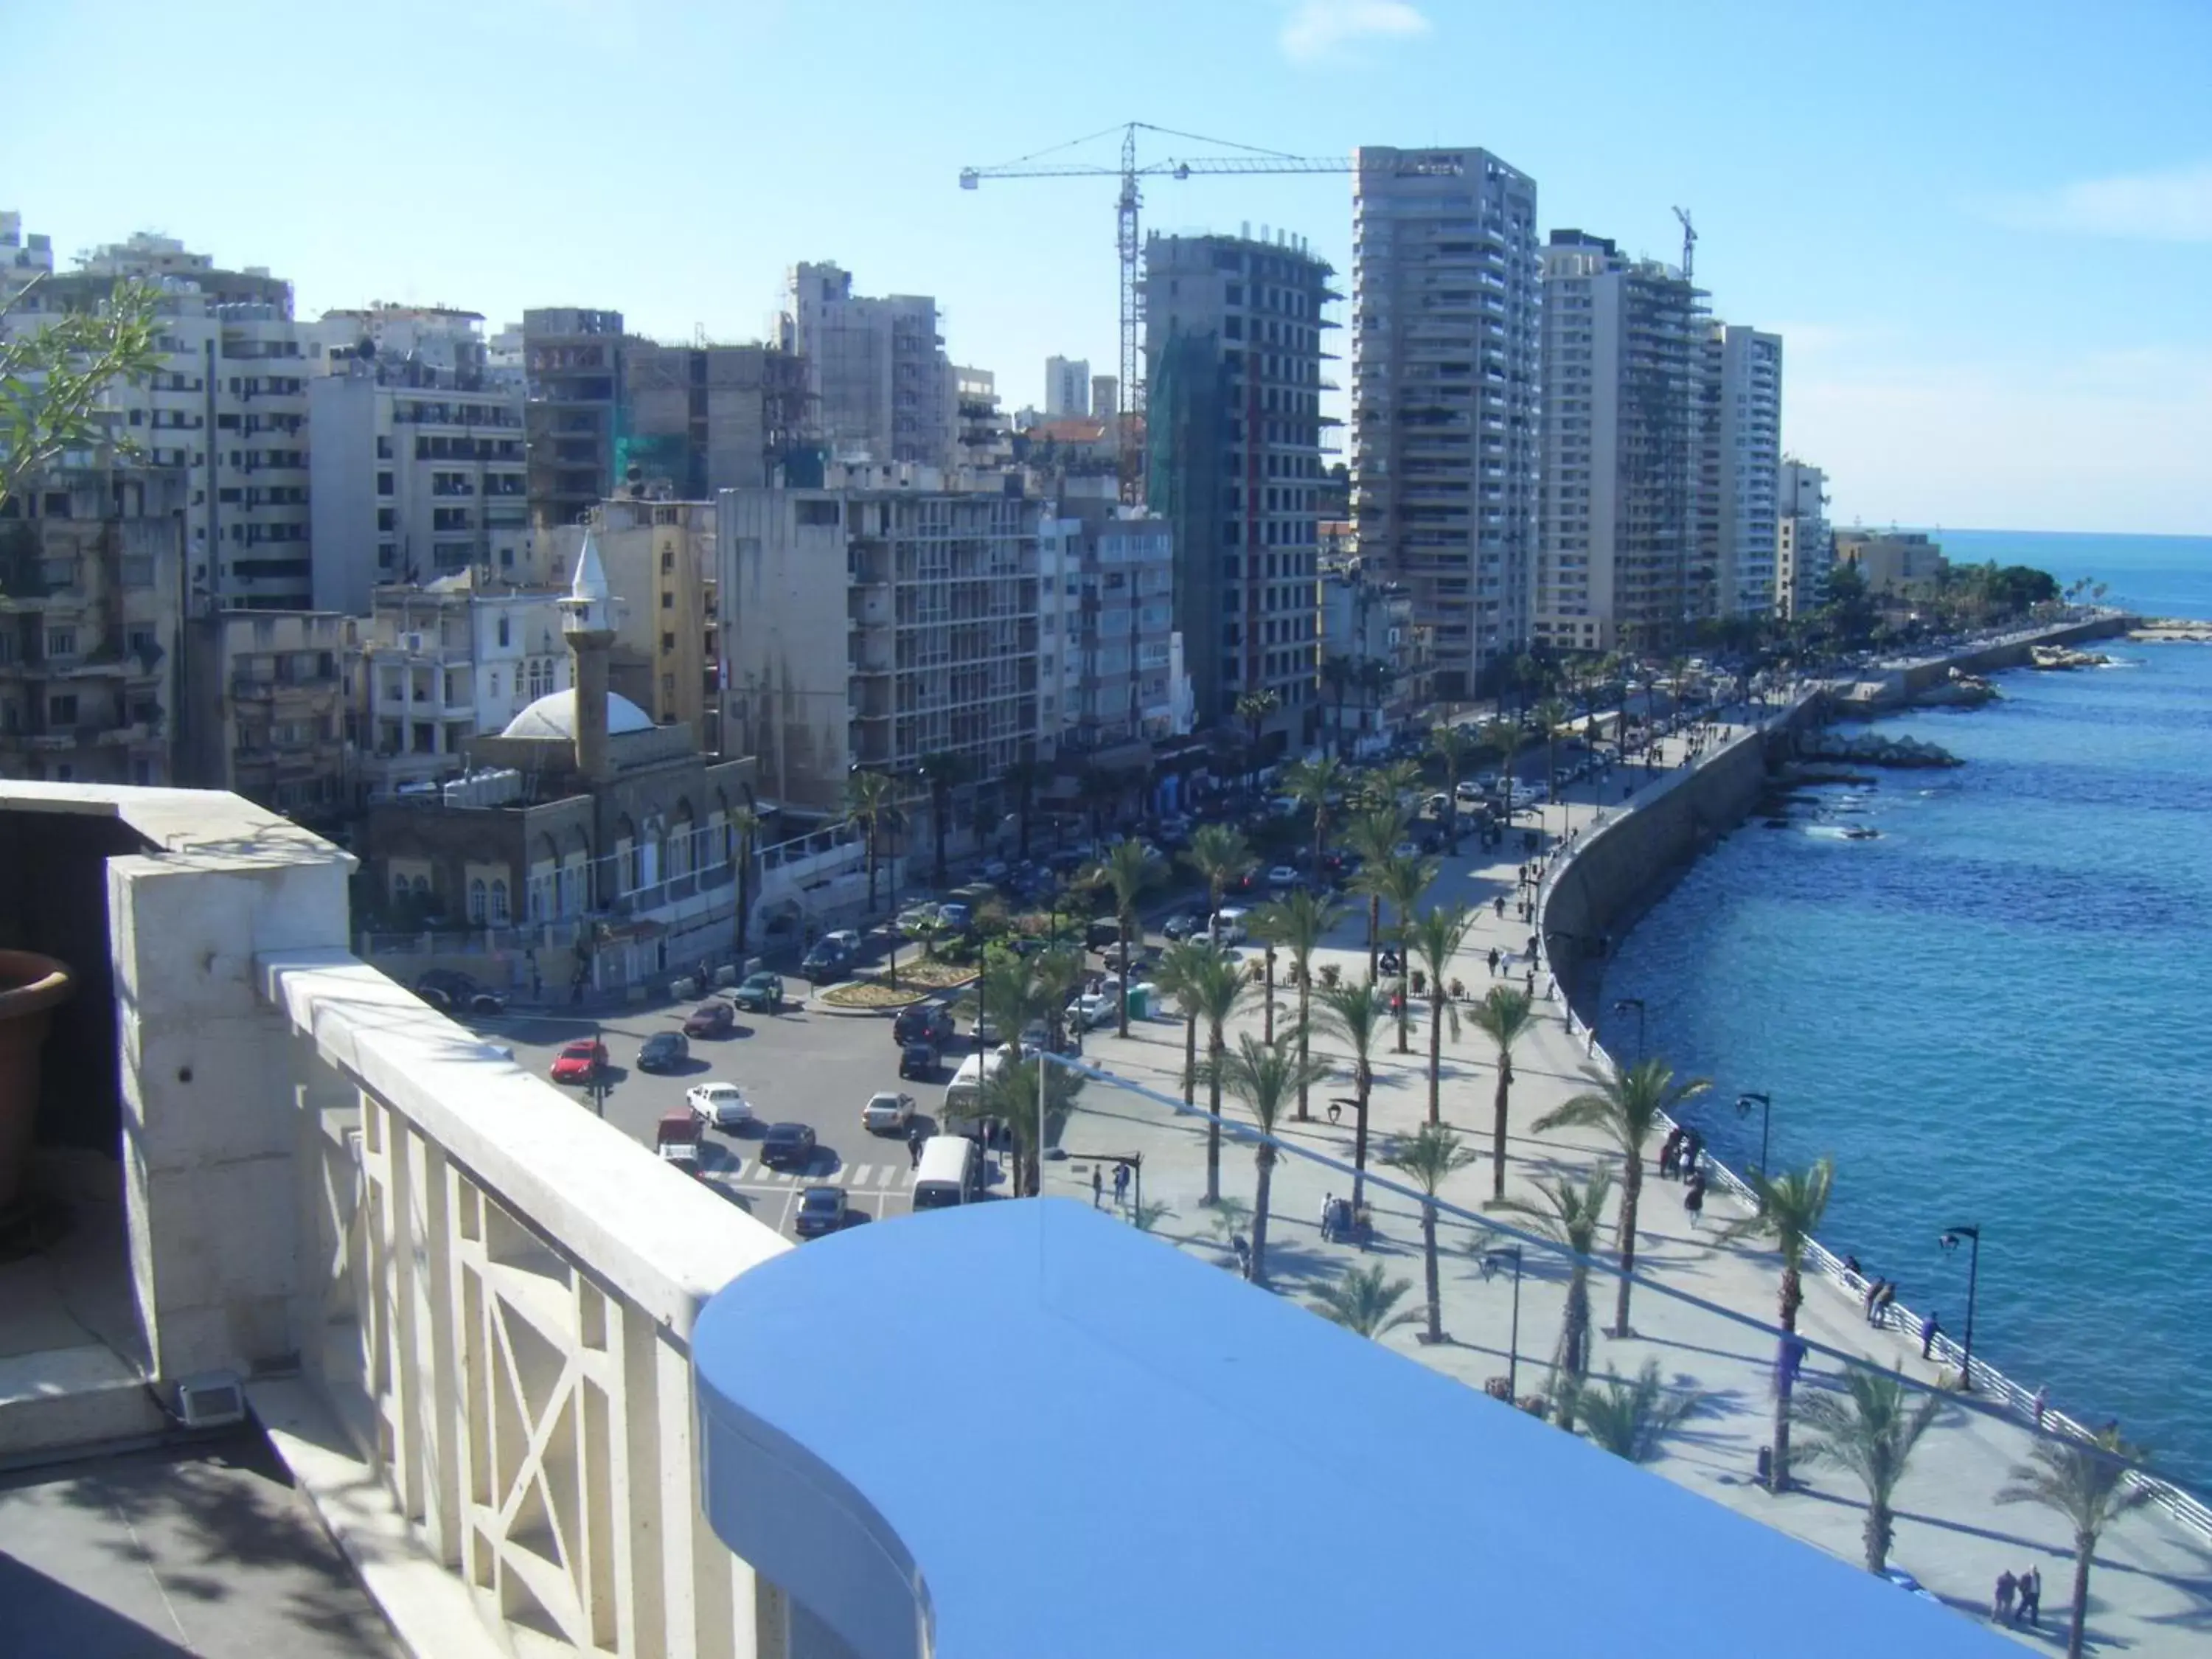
881 386
1893 564
1742 435
872 627
986 441
1623 416
1108 643
1068 387
1445 340
1804 546
573 374
264 710
703 418
1233 342
1375 660
659 555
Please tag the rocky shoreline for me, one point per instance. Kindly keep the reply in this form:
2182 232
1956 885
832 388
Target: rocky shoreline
2171 630
1872 749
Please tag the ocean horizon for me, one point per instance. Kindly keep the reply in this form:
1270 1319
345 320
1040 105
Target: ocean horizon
1987 1013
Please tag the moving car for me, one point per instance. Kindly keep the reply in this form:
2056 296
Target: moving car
663 1051
918 1062
923 1021
711 1020
1182 927
580 1061
828 960
1095 1009
452 992
820 1210
787 1143
1282 876
677 1139
887 1111
721 1105
761 994
1228 926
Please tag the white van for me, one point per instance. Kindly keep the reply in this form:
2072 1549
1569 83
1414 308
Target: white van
963 1096
951 1172
1228 926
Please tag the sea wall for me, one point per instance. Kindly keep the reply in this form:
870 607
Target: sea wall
1900 686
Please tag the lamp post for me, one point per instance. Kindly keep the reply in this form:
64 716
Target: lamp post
1490 1260
1621 1008
598 1084
1270 1010
1744 1103
1949 1241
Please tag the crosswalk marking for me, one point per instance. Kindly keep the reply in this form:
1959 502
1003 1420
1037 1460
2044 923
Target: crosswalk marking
855 1177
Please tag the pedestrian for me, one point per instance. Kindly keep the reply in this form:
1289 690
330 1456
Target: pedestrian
1694 1197
2000 1606
2042 1404
1098 1187
1493 953
1528 985
1693 1148
2031 1595
1882 1301
1873 1295
1669 1150
1851 1267
1120 1183
1328 1215
1499 907
914 1148
1931 1326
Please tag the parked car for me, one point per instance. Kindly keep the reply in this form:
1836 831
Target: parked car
663 1051
887 1110
825 961
722 1105
916 916
452 992
956 916
580 1061
985 1031
1282 876
1182 927
918 1062
711 1020
761 994
786 1144
677 1139
820 1210
1093 1008
1104 934
923 1021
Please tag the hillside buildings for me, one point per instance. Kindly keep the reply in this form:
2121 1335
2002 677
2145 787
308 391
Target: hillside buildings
881 386
1233 337
1444 348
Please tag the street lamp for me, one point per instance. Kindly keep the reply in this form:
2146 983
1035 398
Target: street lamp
1744 1103
1949 1241
1621 1008
599 1084
1490 1260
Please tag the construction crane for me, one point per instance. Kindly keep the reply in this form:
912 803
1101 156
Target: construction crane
1689 241
1041 165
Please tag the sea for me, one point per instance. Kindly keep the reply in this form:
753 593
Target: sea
1992 1013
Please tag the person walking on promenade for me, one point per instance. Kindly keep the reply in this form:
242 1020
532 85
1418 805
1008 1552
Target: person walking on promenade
914 1148
1669 1150
1493 953
1098 1188
1931 1326
1872 1296
1120 1183
1529 985
1882 1302
1499 907
2031 1595
2001 1605
2042 1405
1694 1197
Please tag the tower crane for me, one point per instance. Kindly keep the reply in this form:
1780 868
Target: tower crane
1048 164
1689 240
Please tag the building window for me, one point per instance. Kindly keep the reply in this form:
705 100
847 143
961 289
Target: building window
62 710
667 600
61 642
499 911
503 630
477 900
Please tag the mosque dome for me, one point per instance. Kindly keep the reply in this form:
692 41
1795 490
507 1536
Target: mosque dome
554 716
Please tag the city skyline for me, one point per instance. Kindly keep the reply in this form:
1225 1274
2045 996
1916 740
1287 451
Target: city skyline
1970 238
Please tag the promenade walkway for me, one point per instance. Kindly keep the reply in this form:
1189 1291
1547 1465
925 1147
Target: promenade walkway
2151 1592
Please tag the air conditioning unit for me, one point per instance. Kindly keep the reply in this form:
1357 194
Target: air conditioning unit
213 1400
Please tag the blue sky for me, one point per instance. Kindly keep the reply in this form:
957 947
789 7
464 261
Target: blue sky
1986 230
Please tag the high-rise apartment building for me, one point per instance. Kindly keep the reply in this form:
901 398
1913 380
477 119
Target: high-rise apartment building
986 441
1067 387
1804 546
704 418
883 388
1742 435
228 405
572 368
24 258
1444 349
1623 421
1107 652
1105 396
1233 332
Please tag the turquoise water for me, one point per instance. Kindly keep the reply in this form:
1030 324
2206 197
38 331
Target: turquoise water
1992 1012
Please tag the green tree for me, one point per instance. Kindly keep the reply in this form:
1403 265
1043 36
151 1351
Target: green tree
1129 868
1373 838
1791 1206
1390 784
1364 1301
1317 784
1455 745
1506 1016
1503 740
1219 854
2086 1482
52 378
1627 1107
1429 1159
1571 1214
1264 1076
871 806
1870 1430
1183 966
1299 923
1011 1097
1057 972
1356 1015
1403 880
1253 708
943 771
1632 1419
1553 713
1216 990
1435 937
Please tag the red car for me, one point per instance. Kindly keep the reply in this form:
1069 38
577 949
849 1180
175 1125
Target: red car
580 1062
711 1020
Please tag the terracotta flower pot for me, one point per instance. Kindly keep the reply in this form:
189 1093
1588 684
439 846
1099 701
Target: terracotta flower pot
30 988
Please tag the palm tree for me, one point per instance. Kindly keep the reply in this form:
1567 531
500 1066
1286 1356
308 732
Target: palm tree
1008 995
1356 1014
1057 972
1633 1419
944 771
871 804
1790 1210
1553 713
1455 745
1390 784
1182 965
1365 1302
1870 1428
1431 1155
1503 740
745 829
1128 869
1253 708
1435 937
1264 1075
1315 784
1217 987
1299 924
2085 1481
1402 881
1569 1215
1506 1016
1628 1107
1011 1097
1220 855
1373 838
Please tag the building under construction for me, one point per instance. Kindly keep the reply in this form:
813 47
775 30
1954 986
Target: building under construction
703 418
